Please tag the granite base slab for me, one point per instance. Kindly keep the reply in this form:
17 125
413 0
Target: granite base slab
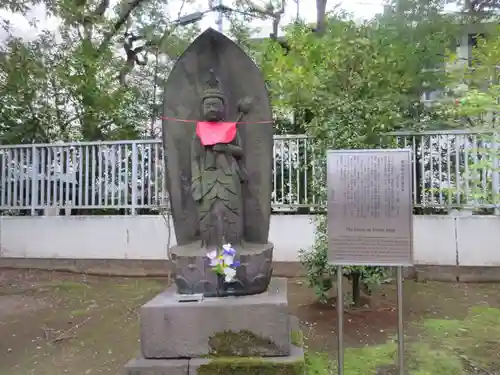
142 366
257 325
294 364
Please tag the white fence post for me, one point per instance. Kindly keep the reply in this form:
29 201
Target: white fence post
134 178
34 179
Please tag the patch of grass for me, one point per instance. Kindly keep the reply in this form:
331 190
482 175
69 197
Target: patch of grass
297 338
319 364
475 340
425 360
441 327
68 286
362 361
446 347
77 313
357 361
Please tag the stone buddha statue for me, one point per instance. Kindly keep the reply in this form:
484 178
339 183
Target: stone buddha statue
218 167
217 171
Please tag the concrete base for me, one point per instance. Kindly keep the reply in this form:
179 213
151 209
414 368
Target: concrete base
193 274
293 364
249 326
141 366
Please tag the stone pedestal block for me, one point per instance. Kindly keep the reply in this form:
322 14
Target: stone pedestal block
249 326
141 366
293 364
193 274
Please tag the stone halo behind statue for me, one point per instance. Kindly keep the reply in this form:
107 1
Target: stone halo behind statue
218 173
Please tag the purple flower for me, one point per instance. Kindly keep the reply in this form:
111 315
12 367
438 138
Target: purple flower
228 250
212 256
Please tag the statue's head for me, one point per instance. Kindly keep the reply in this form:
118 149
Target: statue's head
213 101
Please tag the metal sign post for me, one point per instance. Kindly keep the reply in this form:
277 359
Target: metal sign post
401 333
340 320
370 221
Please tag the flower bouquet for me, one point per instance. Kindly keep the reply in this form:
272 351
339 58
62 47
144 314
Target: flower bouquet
223 263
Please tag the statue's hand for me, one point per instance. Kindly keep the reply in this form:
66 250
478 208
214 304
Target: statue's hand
196 191
220 147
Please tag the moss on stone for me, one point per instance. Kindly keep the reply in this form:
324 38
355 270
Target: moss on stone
251 366
240 344
297 338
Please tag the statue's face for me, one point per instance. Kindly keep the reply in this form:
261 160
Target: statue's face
213 109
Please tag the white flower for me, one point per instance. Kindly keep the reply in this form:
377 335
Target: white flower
230 273
228 260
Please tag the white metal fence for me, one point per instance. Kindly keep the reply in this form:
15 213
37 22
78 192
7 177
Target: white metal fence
125 175
454 168
450 170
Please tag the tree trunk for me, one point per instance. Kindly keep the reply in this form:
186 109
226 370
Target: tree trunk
356 289
320 16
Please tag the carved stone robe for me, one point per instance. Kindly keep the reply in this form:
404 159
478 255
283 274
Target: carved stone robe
216 186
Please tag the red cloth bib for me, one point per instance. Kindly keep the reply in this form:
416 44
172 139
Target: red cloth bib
211 133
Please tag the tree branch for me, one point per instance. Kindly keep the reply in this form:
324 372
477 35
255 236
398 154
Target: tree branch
132 53
101 8
268 11
171 30
124 16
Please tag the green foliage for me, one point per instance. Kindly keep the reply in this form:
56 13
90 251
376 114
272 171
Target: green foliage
355 82
321 274
68 83
473 91
472 102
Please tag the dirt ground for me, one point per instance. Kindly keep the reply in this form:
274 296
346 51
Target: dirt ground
377 320
56 323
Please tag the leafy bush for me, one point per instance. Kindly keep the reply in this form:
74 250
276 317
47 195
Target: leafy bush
321 274
355 83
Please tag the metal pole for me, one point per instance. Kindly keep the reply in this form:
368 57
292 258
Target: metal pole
340 321
401 334
220 17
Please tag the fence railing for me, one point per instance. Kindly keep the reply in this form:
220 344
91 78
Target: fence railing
454 169
126 175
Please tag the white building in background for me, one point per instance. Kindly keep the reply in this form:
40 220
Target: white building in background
464 50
